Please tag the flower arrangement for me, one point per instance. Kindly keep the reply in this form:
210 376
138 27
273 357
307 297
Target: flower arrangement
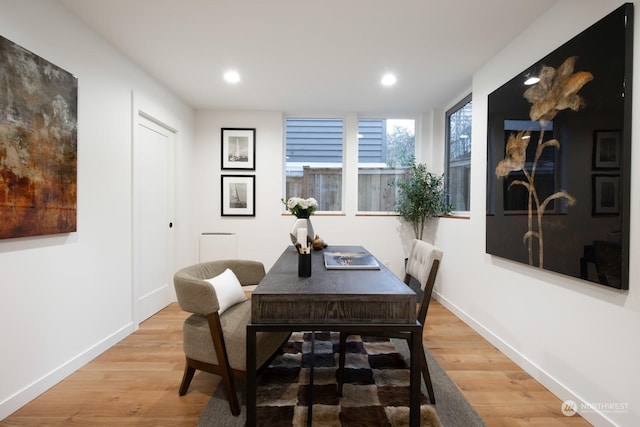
301 208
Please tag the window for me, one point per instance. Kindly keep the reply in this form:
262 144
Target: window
385 150
313 165
458 155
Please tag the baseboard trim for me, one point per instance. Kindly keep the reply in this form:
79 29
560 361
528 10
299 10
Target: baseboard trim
35 389
554 386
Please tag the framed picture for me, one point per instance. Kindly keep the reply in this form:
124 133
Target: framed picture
238 149
38 145
573 131
606 149
606 194
238 195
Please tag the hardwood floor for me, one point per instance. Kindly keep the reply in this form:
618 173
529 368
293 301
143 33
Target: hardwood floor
136 382
499 390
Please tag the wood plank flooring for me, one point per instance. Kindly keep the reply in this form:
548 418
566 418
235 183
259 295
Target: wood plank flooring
135 383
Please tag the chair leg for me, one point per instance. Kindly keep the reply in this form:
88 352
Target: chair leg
341 356
186 379
232 397
427 377
223 361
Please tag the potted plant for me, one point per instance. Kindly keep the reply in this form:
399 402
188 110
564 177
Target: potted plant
421 197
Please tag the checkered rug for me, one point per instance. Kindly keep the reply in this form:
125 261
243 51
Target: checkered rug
375 390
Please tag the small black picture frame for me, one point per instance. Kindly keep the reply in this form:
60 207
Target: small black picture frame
238 147
238 195
606 149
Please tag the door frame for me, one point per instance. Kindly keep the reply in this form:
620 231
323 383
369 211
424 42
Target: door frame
142 109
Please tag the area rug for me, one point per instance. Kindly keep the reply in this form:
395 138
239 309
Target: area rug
375 391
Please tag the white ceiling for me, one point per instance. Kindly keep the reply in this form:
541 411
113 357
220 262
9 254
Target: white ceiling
303 56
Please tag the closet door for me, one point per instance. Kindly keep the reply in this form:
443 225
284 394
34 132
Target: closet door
154 147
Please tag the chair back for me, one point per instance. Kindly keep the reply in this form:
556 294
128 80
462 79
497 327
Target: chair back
195 295
424 260
214 342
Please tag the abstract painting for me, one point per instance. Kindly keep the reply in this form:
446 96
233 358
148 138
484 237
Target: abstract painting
551 131
38 145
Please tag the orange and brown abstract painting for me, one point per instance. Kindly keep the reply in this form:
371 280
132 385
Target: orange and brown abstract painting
38 145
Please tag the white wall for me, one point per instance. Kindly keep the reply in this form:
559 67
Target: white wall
265 237
579 339
66 298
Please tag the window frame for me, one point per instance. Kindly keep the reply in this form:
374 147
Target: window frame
447 149
416 141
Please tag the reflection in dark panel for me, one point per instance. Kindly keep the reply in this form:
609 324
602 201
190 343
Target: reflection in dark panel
558 156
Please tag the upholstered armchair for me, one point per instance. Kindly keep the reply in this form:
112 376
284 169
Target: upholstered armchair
215 333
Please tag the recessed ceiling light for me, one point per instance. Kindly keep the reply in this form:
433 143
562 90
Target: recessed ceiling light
388 79
232 76
531 81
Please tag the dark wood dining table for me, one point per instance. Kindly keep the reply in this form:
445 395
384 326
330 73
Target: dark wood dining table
367 301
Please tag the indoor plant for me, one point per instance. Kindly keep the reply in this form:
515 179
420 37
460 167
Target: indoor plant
421 197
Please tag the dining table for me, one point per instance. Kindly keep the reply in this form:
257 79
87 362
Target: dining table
363 298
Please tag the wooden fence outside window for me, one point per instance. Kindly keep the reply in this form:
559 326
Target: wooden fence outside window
377 191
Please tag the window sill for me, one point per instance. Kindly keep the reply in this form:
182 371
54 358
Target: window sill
377 214
463 215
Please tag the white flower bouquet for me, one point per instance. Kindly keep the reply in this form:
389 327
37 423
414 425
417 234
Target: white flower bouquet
301 208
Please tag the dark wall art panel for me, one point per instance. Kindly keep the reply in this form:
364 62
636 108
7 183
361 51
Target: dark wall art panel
558 156
38 145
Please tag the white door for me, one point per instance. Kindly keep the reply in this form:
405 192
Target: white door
152 217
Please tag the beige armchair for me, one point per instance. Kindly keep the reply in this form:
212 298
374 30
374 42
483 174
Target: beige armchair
213 342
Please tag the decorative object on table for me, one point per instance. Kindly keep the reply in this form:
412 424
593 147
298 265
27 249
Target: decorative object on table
318 244
238 148
350 261
238 194
422 196
304 261
540 154
304 253
302 209
38 145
